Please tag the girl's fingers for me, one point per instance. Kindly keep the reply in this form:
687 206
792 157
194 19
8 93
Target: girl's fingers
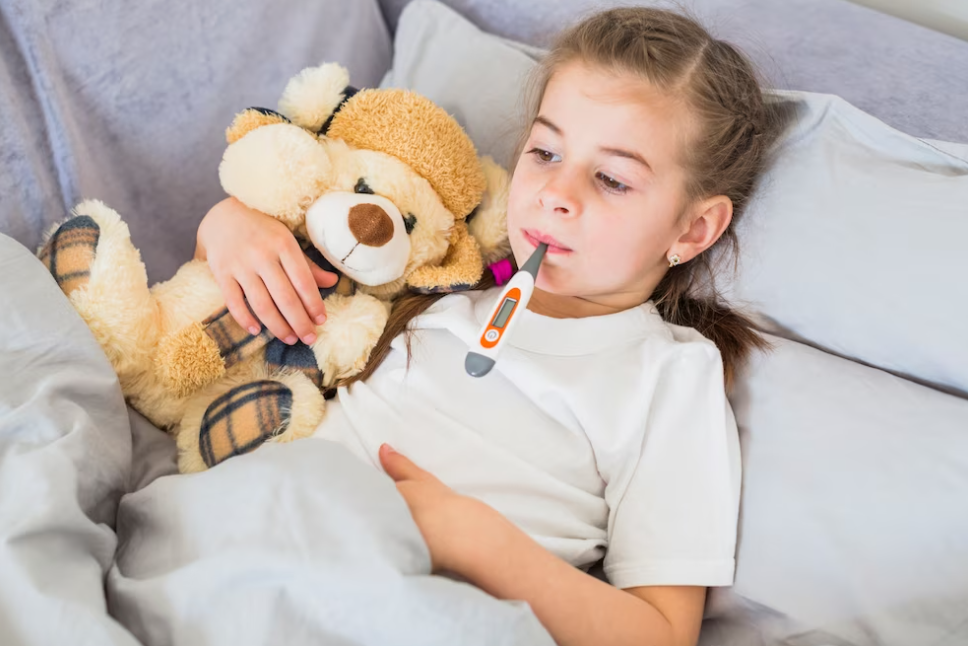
399 467
323 278
265 308
289 304
304 282
235 301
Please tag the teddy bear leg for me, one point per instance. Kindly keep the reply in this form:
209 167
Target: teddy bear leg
238 418
92 258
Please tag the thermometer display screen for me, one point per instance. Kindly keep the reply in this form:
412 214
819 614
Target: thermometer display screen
502 316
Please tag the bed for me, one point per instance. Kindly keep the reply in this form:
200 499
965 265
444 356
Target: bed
854 526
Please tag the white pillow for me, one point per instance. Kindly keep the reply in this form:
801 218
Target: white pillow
854 523
856 239
854 242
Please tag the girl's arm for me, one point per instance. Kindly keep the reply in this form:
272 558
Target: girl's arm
471 539
256 259
575 607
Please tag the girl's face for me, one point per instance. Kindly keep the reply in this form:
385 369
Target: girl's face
601 179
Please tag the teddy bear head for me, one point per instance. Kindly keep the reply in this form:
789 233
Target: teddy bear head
380 181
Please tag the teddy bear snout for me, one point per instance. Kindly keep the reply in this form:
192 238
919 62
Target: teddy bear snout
363 235
370 225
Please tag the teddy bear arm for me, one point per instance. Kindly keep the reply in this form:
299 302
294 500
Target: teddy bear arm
197 355
353 326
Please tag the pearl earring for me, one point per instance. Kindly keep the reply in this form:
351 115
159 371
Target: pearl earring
674 260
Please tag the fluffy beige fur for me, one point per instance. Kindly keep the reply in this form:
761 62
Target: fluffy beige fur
247 121
278 169
354 324
489 226
312 95
413 129
188 360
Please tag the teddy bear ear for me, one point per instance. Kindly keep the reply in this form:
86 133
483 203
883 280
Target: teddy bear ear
314 95
250 119
488 222
460 269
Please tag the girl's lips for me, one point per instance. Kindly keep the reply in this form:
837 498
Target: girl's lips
537 238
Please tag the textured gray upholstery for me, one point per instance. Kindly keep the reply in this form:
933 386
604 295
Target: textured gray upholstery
910 77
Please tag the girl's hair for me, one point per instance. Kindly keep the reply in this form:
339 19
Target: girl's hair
736 128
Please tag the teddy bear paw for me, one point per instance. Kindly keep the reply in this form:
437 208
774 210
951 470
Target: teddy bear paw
242 419
70 251
188 360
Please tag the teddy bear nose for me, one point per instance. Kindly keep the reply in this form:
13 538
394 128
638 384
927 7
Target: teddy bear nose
370 225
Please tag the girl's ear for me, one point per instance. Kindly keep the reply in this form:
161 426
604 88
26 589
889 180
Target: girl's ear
488 223
460 269
708 221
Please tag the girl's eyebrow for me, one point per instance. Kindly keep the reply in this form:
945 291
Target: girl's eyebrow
617 152
547 123
628 154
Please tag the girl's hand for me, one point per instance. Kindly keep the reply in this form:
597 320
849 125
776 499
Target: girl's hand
454 527
254 256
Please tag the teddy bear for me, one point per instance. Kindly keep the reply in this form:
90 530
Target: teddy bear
381 186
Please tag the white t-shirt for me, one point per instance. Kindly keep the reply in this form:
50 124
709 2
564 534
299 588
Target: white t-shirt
610 431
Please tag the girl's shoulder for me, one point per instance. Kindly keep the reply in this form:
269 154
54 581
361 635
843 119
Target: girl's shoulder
669 351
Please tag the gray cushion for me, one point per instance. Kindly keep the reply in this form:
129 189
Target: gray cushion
129 104
910 77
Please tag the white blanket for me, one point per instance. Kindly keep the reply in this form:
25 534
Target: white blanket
293 544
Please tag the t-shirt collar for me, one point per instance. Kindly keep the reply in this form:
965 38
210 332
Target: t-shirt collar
575 336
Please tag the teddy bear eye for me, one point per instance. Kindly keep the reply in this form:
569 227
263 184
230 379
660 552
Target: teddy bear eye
362 187
410 222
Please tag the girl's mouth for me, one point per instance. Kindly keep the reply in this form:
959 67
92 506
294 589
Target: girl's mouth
535 237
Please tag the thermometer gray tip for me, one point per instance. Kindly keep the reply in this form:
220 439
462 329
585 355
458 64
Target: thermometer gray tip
477 365
531 266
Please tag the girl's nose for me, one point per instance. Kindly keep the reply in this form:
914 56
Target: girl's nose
560 195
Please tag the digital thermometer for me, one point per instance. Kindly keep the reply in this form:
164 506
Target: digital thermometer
507 311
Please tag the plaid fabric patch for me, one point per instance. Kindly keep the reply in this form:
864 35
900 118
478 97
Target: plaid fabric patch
69 253
242 419
235 344
298 356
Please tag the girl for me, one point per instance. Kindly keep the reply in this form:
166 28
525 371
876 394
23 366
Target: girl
606 424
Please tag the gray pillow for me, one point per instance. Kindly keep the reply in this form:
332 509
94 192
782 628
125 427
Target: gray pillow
129 104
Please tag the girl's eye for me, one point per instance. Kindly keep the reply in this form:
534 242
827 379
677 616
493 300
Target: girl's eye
611 184
544 156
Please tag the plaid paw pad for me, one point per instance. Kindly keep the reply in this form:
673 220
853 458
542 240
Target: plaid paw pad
242 419
298 357
235 344
69 253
